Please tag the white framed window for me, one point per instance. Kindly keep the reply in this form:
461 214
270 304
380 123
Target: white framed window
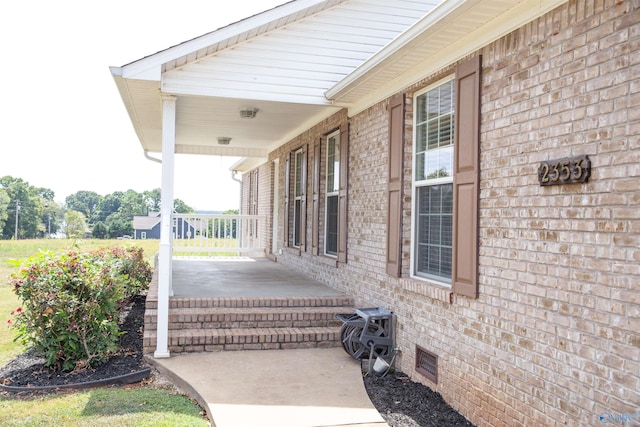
332 187
433 146
297 197
143 234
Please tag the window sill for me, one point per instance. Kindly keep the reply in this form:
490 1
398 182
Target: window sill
328 260
292 250
428 289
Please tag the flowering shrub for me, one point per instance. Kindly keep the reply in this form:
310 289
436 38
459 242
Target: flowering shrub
128 267
71 303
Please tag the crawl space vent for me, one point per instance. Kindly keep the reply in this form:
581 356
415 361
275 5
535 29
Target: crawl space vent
427 364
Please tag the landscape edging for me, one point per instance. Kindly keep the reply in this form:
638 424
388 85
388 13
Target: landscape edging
130 378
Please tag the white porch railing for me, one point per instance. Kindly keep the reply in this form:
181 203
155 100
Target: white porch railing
218 234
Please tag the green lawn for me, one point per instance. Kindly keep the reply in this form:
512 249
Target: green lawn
131 406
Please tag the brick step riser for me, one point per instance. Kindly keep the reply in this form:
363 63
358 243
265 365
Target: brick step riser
274 340
257 324
250 320
329 323
252 303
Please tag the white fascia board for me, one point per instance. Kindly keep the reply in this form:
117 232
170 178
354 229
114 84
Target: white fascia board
472 42
150 67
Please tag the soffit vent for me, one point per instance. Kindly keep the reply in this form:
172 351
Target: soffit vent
427 364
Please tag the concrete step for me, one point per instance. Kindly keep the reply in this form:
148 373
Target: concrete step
199 340
254 317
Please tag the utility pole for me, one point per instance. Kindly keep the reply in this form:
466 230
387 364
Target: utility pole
17 211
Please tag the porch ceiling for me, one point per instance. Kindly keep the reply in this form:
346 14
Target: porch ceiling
200 120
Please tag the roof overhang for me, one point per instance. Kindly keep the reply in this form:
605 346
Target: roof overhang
451 31
203 117
151 67
221 73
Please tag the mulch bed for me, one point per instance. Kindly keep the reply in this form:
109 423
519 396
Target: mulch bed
404 403
401 402
29 370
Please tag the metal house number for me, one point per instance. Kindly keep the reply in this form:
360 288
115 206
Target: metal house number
564 171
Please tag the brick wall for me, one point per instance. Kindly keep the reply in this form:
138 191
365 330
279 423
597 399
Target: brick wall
554 337
264 200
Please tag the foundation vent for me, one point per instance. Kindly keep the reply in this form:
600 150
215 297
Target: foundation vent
427 364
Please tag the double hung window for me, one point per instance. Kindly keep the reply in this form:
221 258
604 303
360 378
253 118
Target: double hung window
298 193
433 182
332 183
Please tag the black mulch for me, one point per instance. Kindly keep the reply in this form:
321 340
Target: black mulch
404 403
401 402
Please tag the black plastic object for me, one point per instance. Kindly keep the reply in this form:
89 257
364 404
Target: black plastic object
367 333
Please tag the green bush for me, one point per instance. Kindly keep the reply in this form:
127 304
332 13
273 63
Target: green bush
71 303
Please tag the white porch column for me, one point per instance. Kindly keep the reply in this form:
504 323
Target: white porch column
166 232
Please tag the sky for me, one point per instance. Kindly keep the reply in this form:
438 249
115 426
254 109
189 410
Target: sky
63 125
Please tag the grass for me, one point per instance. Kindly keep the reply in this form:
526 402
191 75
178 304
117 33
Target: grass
103 407
127 406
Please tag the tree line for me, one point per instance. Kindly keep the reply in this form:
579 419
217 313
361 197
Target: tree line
28 212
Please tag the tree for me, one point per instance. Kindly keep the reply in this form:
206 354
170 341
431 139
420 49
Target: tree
181 207
52 216
119 227
86 202
109 205
25 209
152 200
133 203
75 224
4 207
100 230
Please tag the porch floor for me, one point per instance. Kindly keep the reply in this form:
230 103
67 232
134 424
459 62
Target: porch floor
242 277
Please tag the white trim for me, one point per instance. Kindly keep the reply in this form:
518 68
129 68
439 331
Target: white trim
414 187
327 193
297 221
166 230
276 206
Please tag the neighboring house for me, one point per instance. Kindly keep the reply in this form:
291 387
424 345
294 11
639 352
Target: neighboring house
402 153
148 227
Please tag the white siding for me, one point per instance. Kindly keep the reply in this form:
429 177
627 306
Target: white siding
301 60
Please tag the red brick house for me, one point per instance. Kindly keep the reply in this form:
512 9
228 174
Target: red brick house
478 174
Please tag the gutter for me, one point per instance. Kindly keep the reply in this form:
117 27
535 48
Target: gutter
239 181
153 159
